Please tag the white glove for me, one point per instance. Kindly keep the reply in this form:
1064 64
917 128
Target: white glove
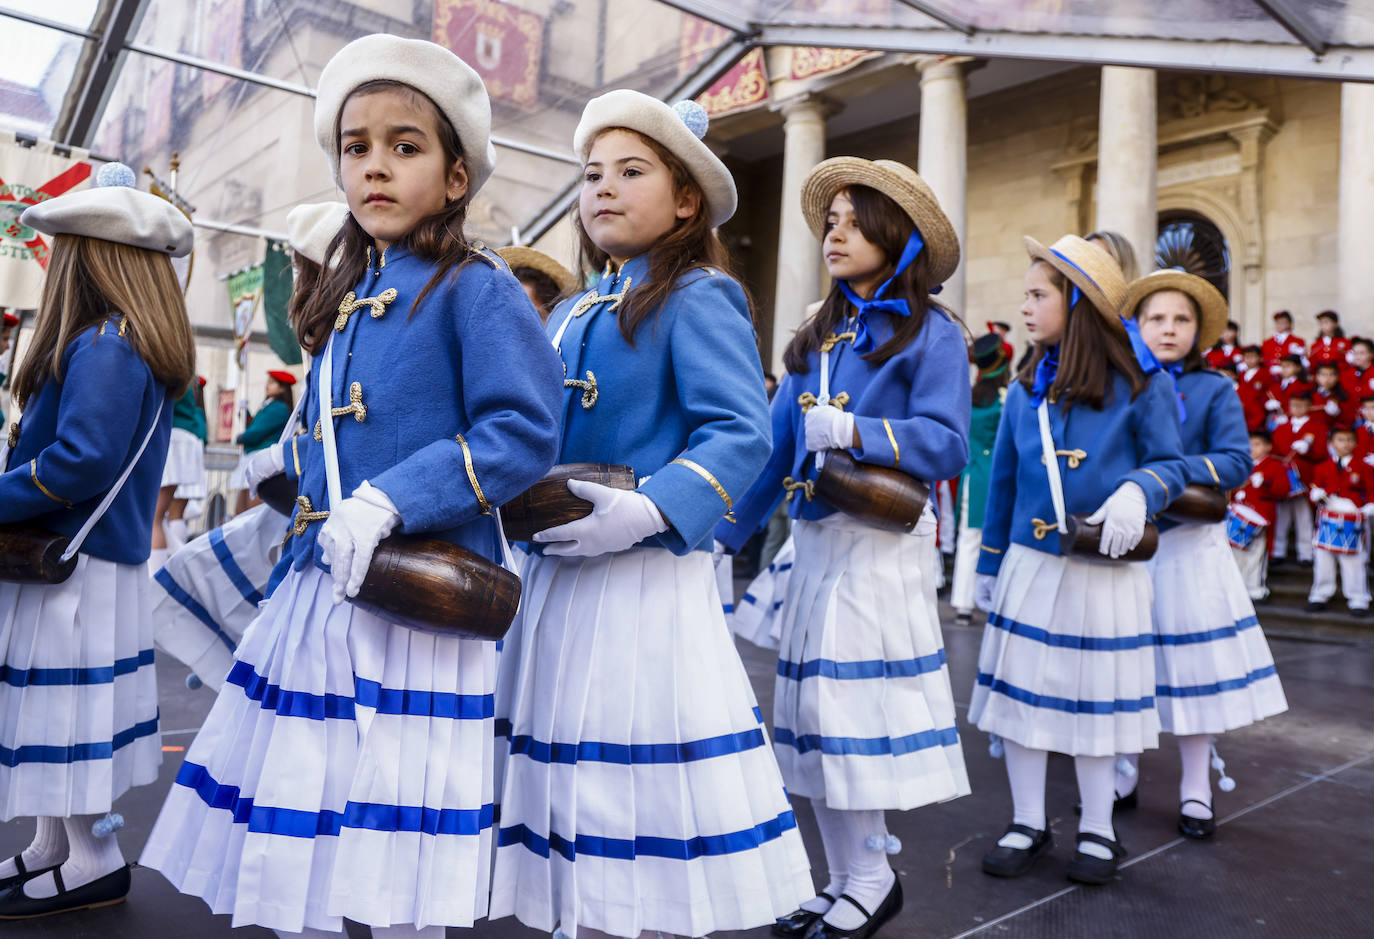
1302 446
619 520
351 533
1341 504
1333 409
267 462
1369 459
1256 479
1318 494
829 428
983 588
1272 405
1122 518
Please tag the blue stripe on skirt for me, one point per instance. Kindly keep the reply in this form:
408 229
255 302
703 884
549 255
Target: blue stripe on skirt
1064 704
1206 635
24 677
231 568
627 849
366 693
1229 684
178 594
1069 640
867 746
873 668
77 753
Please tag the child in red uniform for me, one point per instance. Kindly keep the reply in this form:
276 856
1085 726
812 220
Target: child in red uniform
1300 442
1258 501
1358 376
1292 379
1364 432
1253 389
1341 487
1330 344
1337 405
1226 349
1283 342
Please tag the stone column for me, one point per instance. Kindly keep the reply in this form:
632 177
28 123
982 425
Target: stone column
943 157
1355 273
800 269
1126 160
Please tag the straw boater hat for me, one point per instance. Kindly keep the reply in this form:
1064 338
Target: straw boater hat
1210 302
518 256
678 129
900 184
431 69
310 228
1089 268
113 210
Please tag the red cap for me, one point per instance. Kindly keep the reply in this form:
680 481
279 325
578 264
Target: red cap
286 378
200 380
11 319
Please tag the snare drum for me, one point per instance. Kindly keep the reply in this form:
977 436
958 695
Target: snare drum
1243 525
1339 532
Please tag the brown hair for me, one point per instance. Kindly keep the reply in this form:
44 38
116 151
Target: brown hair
691 245
1116 245
1192 359
886 226
89 280
546 289
1089 352
438 237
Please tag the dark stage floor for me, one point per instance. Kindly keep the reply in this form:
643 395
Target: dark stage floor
1294 856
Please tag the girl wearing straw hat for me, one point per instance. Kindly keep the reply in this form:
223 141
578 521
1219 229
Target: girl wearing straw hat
78 690
1213 670
640 792
864 720
1067 661
544 279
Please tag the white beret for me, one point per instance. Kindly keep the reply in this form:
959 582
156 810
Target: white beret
115 213
668 127
310 227
440 75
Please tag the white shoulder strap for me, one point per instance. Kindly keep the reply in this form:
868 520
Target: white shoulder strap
1052 466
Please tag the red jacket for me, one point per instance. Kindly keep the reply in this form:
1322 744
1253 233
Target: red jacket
1276 347
1350 481
1283 389
1358 384
1312 430
1265 489
1254 391
1329 350
1345 411
1364 444
1219 355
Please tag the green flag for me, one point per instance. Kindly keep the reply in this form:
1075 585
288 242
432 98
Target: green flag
276 296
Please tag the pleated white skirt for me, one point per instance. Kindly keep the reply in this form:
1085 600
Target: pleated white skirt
78 691
862 709
755 618
344 771
1067 662
1213 669
185 465
640 791
209 590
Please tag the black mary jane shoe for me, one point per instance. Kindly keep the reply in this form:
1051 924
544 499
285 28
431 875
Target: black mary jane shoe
103 891
1091 869
23 875
1013 862
1199 829
890 907
799 921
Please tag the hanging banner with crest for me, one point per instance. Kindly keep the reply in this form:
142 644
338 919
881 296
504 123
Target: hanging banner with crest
29 175
245 296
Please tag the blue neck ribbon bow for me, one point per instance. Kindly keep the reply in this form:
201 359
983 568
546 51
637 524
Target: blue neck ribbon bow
1045 371
864 341
1149 364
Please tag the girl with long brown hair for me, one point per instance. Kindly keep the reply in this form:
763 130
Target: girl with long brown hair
111 351
640 793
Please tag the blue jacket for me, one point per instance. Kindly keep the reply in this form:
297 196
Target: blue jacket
1127 441
911 412
1216 444
684 406
75 439
448 411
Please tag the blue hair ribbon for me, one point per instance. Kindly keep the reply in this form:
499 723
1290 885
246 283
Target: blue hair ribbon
1149 364
864 341
1045 371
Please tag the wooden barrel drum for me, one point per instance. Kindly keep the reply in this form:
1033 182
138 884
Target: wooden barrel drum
279 494
1198 503
1083 539
549 502
31 555
876 495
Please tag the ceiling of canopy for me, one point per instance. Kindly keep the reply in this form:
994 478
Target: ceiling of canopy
227 84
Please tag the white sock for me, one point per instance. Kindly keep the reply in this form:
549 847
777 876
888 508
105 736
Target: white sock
48 847
88 858
869 877
407 931
308 933
1195 752
1026 773
835 841
156 560
1125 785
175 531
1096 778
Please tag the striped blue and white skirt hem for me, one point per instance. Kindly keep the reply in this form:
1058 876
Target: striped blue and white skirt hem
640 792
863 712
1067 660
209 591
78 691
1213 668
755 618
344 771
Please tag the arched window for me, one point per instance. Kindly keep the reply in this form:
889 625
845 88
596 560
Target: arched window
1192 242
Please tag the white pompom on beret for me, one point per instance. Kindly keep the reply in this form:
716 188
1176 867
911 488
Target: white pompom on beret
310 227
115 213
639 112
431 69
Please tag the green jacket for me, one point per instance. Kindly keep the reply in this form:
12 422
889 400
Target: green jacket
266 426
188 416
982 434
